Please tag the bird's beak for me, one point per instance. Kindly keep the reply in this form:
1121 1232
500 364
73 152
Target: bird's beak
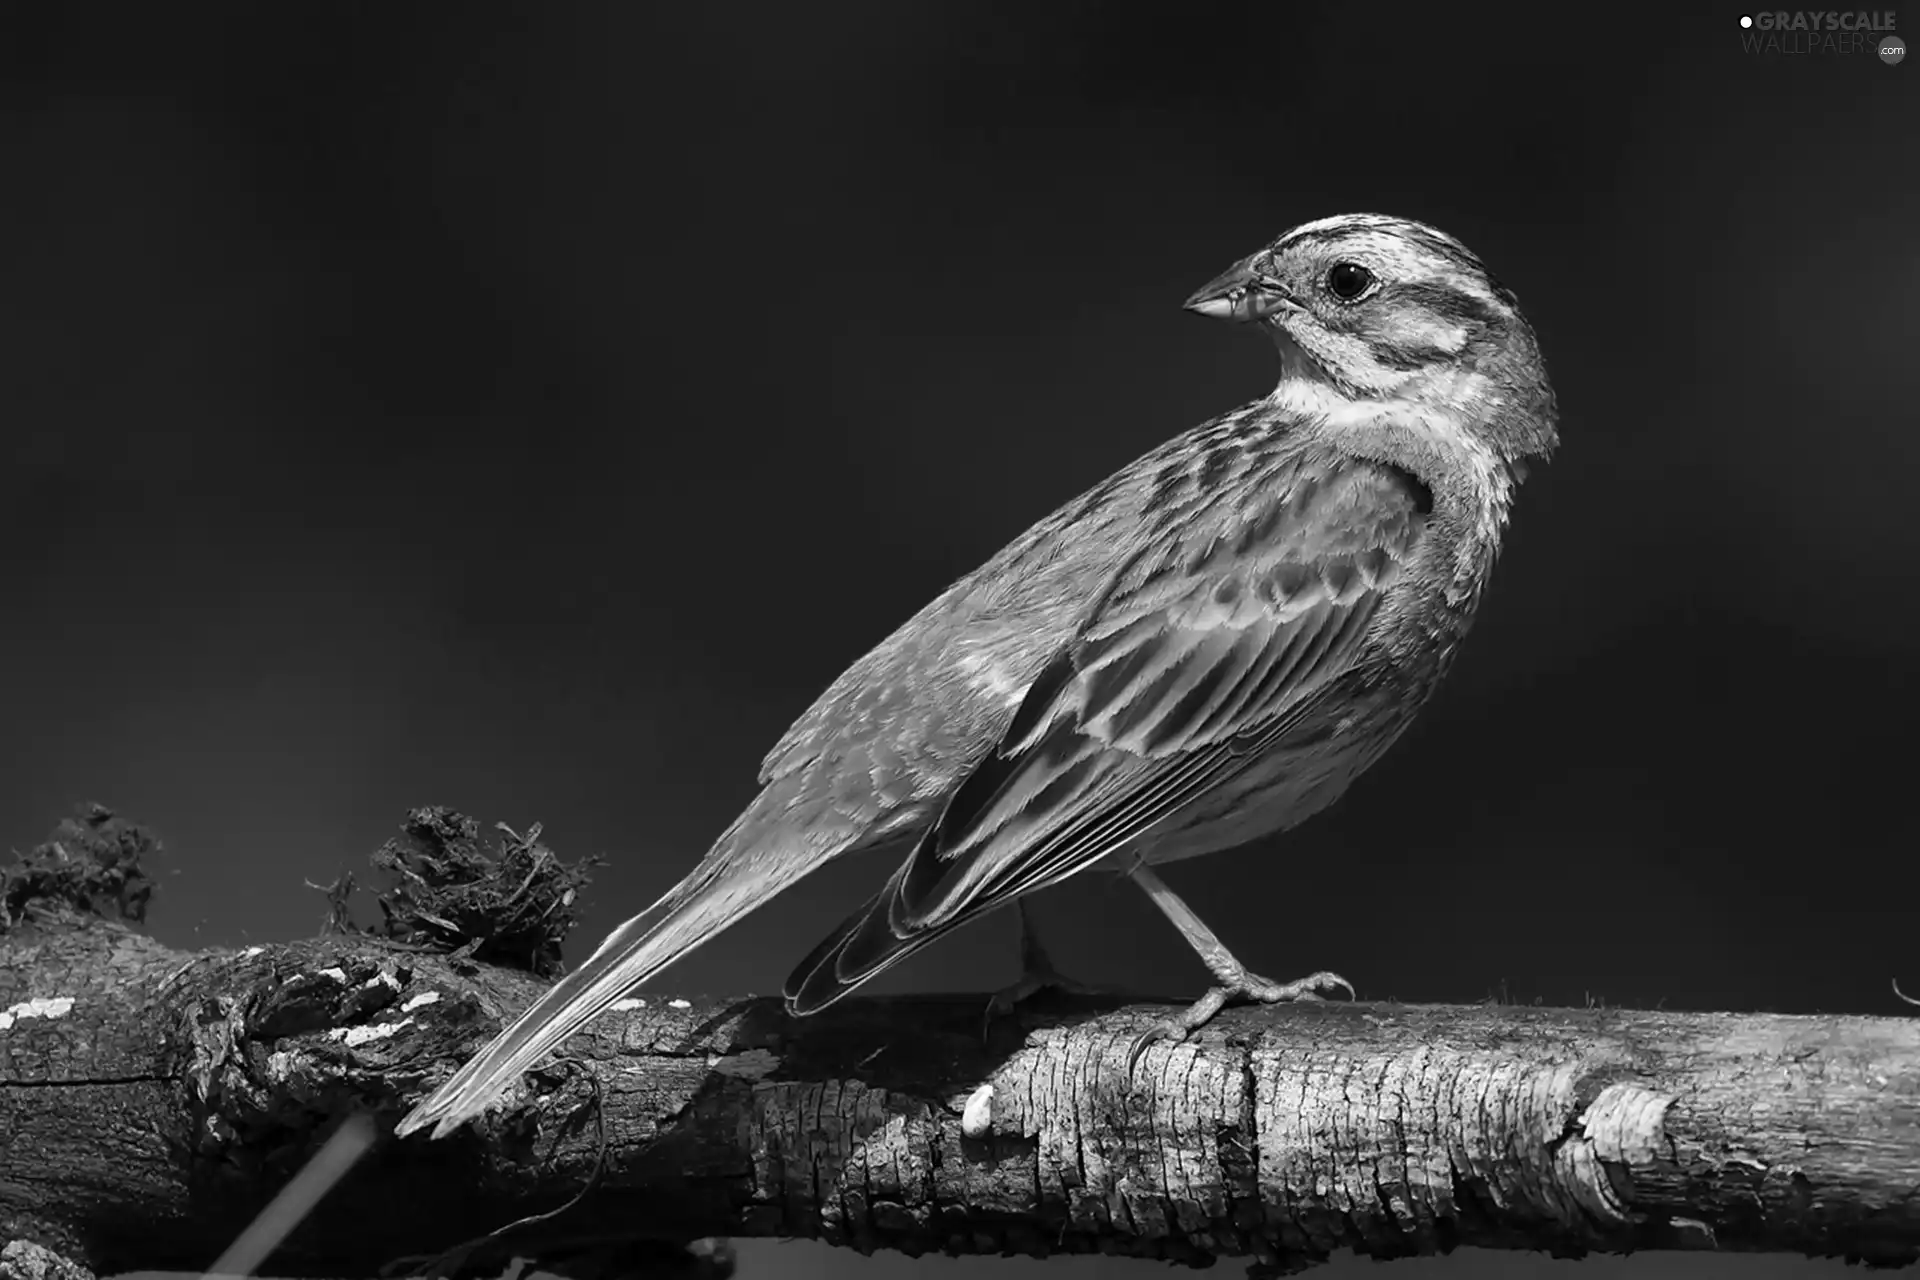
1242 294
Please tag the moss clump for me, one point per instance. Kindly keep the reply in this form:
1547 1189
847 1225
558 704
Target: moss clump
512 906
89 866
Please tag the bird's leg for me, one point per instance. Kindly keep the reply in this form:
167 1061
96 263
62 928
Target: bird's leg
1233 980
1037 973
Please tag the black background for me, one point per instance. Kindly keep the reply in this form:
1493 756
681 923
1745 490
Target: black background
531 409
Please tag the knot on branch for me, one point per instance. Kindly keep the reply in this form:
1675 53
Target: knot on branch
276 1047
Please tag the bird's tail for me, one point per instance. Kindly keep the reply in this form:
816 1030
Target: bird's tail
718 893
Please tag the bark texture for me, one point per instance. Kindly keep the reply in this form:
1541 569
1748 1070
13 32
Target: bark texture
150 1101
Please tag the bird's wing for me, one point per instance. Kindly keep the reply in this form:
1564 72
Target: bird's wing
1209 643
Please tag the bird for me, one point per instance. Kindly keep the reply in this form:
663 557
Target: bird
1204 648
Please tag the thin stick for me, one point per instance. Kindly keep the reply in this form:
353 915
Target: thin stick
297 1199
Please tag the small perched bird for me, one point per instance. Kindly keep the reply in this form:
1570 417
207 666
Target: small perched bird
1207 646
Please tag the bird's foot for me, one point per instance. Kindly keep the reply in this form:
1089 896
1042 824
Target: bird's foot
1037 974
1032 984
1237 987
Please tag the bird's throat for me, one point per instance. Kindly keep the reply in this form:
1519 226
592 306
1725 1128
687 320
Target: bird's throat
1295 363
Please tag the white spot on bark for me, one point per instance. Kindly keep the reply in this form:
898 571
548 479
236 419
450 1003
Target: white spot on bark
337 974
976 1121
351 1036
382 979
679 1004
627 1004
754 1064
251 951
421 1000
56 1007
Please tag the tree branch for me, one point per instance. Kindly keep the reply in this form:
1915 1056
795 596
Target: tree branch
151 1101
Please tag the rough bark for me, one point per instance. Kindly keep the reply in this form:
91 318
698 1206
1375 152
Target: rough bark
151 1100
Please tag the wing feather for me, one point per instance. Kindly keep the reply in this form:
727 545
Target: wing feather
1208 647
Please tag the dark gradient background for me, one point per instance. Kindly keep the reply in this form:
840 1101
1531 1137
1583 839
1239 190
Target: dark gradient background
530 410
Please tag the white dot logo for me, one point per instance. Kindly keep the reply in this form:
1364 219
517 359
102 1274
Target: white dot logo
1746 20
1892 50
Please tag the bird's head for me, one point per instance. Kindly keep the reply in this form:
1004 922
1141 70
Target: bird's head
1388 309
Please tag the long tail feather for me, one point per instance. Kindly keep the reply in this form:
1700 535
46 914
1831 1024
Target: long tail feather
717 894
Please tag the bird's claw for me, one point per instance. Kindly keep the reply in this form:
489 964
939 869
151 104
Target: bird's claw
1307 988
1165 1029
1240 987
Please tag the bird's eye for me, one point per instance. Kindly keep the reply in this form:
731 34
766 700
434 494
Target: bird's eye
1348 280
